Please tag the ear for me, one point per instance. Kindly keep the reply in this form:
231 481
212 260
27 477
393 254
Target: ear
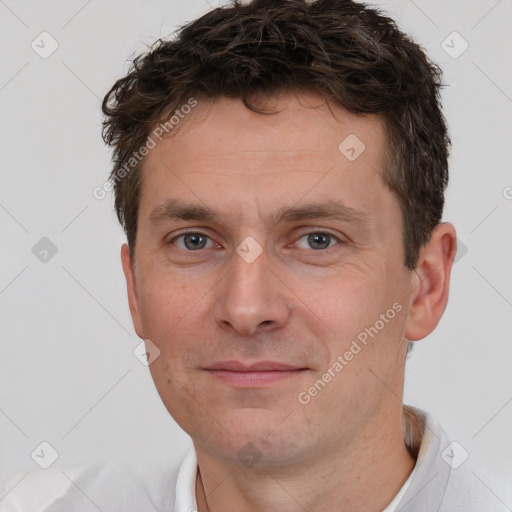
131 286
431 282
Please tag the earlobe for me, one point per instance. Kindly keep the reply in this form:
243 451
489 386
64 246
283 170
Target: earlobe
131 288
430 282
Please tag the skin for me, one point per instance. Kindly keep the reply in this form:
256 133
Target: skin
297 303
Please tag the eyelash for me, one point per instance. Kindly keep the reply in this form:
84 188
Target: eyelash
300 237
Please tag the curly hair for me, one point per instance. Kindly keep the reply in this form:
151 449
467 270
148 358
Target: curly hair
345 51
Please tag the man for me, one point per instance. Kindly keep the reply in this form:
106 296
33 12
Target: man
279 170
284 248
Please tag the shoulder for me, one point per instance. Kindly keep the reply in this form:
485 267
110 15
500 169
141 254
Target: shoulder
112 487
445 478
472 489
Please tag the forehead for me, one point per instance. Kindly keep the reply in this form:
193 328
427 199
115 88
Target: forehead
306 147
305 123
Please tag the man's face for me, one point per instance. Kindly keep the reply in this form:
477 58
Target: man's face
265 283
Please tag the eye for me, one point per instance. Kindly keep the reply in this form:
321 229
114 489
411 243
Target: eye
318 240
192 241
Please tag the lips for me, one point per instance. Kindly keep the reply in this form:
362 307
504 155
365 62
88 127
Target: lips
255 375
261 366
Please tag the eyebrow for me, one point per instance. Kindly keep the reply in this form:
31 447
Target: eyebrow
175 209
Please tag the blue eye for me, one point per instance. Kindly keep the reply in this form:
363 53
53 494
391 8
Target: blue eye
319 240
195 241
192 241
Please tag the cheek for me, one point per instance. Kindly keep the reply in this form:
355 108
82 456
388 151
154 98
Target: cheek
363 305
165 304
174 315
347 302
165 296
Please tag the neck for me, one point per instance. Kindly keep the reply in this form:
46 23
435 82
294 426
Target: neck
366 475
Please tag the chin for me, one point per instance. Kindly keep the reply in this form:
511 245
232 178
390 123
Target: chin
254 437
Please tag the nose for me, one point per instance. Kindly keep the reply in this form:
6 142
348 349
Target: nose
252 297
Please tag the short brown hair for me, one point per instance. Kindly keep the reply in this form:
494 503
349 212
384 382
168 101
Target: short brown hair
347 52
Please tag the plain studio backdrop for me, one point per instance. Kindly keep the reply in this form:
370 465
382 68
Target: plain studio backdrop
67 370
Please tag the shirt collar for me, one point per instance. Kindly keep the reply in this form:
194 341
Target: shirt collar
423 490
431 473
186 484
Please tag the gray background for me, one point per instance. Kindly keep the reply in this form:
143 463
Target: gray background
67 372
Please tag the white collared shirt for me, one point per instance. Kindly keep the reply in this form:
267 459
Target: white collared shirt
437 484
